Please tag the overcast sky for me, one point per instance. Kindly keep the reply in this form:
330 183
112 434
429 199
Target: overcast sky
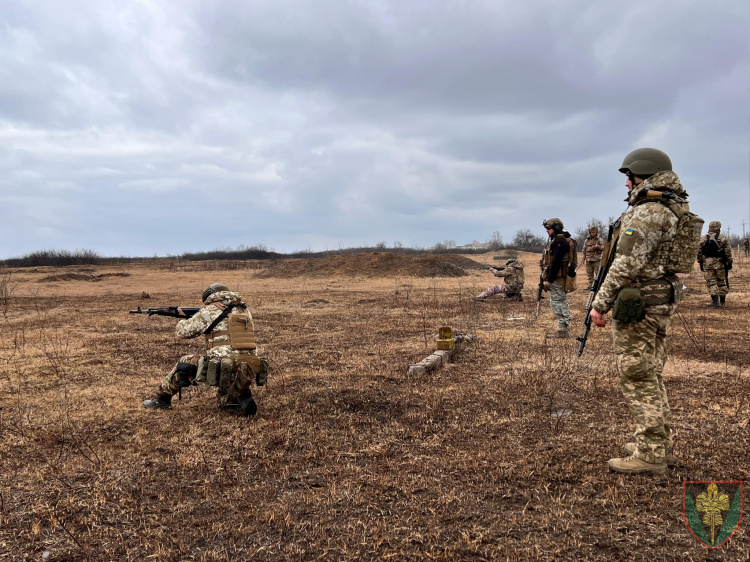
144 127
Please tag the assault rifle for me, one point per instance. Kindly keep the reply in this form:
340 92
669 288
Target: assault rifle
171 311
608 255
540 293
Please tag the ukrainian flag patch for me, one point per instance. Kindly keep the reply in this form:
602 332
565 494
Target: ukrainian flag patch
629 231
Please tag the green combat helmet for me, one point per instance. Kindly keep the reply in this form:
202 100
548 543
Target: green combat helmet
213 288
554 224
645 162
510 261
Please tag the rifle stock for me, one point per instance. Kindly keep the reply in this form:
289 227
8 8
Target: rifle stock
171 311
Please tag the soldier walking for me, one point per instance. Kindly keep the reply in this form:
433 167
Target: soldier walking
592 253
642 292
513 276
555 264
715 261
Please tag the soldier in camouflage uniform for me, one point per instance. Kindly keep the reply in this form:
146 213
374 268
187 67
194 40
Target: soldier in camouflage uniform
217 298
646 234
592 253
555 264
746 244
513 275
715 260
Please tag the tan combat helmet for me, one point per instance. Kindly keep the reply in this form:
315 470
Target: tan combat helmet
554 224
714 226
594 229
510 261
213 288
645 162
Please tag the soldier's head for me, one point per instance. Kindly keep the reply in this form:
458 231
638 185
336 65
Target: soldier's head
555 225
510 261
213 288
642 163
714 226
593 231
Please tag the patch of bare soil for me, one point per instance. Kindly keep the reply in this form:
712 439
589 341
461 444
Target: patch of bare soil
376 264
81 277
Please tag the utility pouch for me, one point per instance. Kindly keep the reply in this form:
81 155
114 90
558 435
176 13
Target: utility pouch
243 378
186 374
665 290
202 369
630 306
226 370
570 284
213 372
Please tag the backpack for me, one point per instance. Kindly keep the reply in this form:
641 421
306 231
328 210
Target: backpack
687 240
710 248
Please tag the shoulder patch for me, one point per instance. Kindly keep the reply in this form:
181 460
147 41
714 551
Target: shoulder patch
629 231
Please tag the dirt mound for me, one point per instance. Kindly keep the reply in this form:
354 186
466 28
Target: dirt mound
80 277
377 264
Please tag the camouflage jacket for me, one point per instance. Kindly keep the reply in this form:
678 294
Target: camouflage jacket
513 276
646 233
592 249
722 247
197 324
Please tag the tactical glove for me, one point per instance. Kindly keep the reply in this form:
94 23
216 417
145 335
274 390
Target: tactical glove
700 264
728 267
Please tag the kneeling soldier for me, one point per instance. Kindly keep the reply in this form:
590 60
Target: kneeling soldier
230 362
513 275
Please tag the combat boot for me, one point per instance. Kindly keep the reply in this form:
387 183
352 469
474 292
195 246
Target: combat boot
633 465
714 302
248 407
162 401
561 334
669 457
722 301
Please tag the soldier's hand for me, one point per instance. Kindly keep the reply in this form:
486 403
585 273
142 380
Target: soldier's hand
700 264
598 318
547 285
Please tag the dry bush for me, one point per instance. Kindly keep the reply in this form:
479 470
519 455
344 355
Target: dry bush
499 456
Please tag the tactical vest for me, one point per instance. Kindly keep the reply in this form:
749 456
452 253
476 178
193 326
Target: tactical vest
569 262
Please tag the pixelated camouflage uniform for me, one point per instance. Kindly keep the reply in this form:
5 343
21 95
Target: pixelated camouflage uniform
713 266
647 230
592 255
746 244
514 279
555 270
195 326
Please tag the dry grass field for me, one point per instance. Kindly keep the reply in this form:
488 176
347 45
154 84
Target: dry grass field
348 458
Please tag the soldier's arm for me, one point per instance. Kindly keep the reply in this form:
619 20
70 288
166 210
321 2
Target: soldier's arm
194 326
639 238
727 250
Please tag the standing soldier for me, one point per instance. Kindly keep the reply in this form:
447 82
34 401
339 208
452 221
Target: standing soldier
642 291
715 260
230 362
555 264
592 253
513 275
746 244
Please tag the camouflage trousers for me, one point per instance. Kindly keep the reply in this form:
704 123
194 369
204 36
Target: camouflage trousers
171 383
640 351
558 302
497 290
716 281
591 267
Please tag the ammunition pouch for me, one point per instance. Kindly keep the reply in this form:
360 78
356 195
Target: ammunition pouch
202 370
629 307
235 374
186 374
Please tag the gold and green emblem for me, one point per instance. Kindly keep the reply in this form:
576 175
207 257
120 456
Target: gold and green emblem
713 510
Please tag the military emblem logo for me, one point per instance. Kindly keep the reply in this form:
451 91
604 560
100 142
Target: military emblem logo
713 510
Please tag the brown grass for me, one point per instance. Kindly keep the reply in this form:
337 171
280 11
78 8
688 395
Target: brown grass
348 459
